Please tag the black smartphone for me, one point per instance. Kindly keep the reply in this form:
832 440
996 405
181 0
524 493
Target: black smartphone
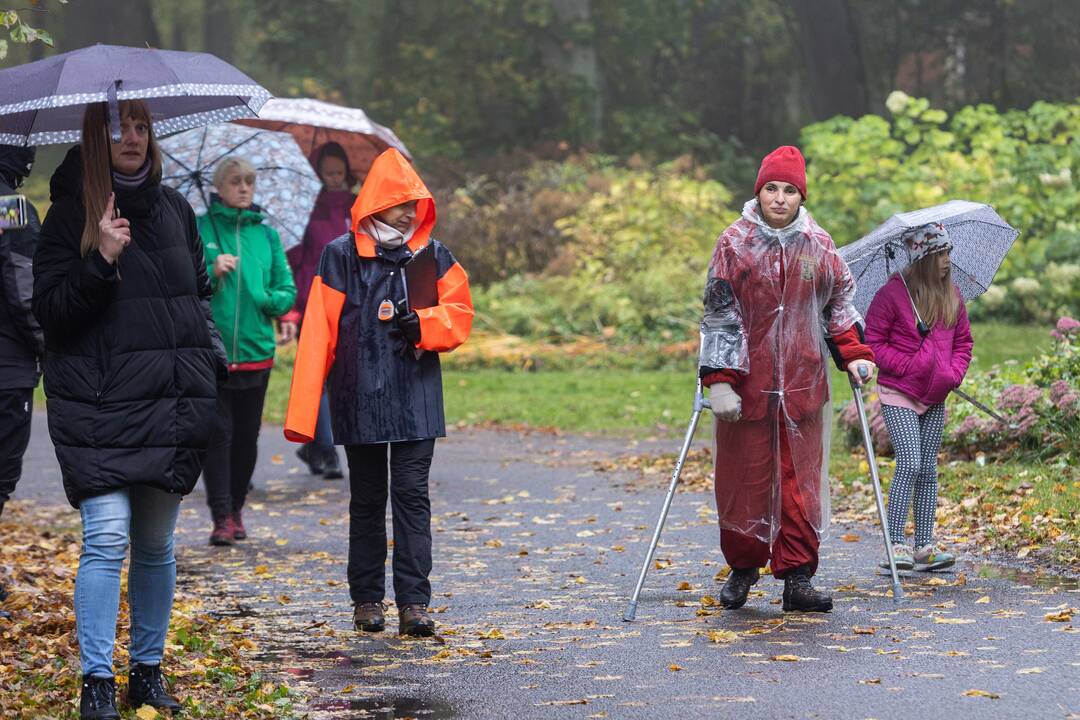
13 215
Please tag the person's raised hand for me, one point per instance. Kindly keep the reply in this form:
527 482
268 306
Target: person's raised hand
115 232
224 264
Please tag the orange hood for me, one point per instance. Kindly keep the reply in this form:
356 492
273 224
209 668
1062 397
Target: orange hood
392 181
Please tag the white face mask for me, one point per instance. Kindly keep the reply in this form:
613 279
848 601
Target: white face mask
385 235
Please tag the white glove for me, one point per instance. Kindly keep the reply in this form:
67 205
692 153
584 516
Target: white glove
725 402
853 370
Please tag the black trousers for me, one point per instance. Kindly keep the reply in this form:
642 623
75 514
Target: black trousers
410 463
230 460
16 409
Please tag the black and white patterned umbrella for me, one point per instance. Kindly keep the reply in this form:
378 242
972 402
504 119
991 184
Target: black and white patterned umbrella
42 103
980 239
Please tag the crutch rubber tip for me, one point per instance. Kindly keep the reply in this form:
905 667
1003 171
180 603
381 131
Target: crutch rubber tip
631 612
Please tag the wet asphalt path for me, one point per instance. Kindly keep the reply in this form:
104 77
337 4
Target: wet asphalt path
535 554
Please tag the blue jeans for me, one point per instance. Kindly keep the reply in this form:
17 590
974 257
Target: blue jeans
148 516
324 435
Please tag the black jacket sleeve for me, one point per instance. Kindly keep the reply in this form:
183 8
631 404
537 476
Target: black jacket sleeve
70 291
17 280
206 291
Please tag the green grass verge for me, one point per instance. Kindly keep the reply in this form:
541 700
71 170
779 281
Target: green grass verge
619 401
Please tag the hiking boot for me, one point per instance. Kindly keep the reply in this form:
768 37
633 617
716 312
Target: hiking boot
901 556
928 557
239 532
413 620
331 466
98 701
223 531
369 617
800 595
737 587
146 687
308 452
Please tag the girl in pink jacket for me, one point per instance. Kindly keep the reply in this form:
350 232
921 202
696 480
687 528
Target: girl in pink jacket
918 328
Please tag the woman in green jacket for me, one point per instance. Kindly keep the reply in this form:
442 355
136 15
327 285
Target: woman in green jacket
252 286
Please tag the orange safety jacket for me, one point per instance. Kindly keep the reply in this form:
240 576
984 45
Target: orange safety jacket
377 394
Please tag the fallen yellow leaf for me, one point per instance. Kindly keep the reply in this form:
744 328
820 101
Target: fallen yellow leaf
277 460
849 537
1063 616
985 599
722 636
684 585
981 693
147 712
786 658
493 634
952 621
1029 671
674 668
863 630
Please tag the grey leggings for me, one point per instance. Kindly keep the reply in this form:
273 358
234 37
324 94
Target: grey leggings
916 440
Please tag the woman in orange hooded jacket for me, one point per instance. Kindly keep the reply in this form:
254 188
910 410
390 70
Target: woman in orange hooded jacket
385 383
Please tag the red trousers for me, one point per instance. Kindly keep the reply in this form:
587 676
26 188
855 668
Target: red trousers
746 465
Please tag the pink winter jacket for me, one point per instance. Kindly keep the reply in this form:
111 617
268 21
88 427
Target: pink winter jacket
926 369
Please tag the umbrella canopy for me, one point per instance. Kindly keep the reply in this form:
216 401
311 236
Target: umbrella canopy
286 185
313 122
42 103
980 241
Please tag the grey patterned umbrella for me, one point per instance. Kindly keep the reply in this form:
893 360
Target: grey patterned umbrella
980 239
42 103
285 187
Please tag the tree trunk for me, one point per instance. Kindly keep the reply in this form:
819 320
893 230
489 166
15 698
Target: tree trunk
832 61
218 32
570 51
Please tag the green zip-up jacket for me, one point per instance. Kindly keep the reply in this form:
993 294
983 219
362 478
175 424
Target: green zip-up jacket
246 300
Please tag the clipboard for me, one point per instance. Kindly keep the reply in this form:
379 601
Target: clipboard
421 279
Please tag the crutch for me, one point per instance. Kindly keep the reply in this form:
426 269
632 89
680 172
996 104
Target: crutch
898 592
700 403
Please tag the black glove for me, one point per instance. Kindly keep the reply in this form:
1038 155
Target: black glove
409 325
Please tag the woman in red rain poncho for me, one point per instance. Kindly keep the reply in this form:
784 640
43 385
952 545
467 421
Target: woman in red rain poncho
776 291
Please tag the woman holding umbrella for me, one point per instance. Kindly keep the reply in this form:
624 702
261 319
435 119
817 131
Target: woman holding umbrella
252 286
918 328
331 218
132 362
776 290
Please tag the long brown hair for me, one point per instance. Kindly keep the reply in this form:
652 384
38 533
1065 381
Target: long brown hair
97 162
934 296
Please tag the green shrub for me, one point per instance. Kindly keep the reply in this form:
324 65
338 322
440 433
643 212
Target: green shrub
1022 163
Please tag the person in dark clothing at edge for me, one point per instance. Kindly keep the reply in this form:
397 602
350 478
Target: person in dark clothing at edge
385 383
132 363
21 341
329 219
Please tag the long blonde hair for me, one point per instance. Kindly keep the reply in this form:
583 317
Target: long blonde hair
934 296
97 163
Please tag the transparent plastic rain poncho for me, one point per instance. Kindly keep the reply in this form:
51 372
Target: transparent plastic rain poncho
770 298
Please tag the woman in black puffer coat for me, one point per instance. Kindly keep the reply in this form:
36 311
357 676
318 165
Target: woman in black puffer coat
131 369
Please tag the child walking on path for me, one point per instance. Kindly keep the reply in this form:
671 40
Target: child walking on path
918 328
385 383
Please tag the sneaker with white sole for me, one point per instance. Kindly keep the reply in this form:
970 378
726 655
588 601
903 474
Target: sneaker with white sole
929 557
902 556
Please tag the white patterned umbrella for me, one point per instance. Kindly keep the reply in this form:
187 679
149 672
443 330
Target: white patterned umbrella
42 103
286 185
980 239
313 123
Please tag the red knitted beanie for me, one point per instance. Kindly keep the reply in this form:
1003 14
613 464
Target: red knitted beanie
784 164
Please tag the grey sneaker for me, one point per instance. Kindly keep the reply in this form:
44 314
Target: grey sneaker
902 556
928 557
